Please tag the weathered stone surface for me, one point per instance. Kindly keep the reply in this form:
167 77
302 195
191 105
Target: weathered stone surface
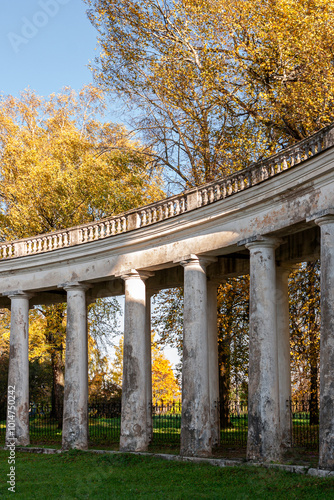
75 417
326 416
135 434
196 412
263 396
283 345
18 374
213 363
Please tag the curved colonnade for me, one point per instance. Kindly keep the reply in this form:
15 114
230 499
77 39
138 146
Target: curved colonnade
260 220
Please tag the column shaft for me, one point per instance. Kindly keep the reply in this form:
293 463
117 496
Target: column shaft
75 419
213 364
148 365
326 416
283 340
195 426
17 427
135 386
263 401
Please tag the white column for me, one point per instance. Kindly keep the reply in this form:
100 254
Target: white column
263 400
326 416
196 424
283 339
135 386
148 365
17 428
213 364
75 417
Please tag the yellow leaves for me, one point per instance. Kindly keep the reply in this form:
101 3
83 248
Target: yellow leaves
62 167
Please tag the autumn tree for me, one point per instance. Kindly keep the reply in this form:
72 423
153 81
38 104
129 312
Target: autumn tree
61 166
304 288
165 387
217 84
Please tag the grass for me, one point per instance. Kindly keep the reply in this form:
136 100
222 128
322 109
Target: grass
79 475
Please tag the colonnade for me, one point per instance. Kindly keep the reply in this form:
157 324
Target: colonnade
269 424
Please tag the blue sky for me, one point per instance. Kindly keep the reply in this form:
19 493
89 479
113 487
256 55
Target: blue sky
45 45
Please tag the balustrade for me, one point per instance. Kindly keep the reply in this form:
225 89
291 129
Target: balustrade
175 205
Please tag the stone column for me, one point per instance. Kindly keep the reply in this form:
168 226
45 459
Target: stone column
148 365
213 363
135 387
326 416
196 424
75 416
18 373
263 400
283 344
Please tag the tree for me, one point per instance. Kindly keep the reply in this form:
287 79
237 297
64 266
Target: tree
57 173
165 387
217 84
304 288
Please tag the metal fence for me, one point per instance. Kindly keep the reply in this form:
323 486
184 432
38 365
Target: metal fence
105 424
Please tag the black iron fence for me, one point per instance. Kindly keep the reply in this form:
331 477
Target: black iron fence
305 425
105 423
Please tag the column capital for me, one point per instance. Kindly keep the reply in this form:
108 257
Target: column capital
260 241
192 259
18 294
134 274
74 285
323 217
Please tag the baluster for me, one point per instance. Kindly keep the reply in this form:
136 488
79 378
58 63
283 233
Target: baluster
154 217
66 239
44 244
218 193
298 157
90 233
166 212
242 182
102 230
177 207
107 228
183 204
160 213
211 195
235 185
143 218
39 241
118 226
204 196
123 224
85 234
285 163
113 227
223 190
171 208
229 188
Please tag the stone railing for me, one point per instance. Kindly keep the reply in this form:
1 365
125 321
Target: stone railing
175 205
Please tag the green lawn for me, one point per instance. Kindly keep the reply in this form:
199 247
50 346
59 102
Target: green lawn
124 476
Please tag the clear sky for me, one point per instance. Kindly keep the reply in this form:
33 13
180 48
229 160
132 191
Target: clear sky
45 45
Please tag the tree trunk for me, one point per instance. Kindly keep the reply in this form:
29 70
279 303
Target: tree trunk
224 381
313 353
57 386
